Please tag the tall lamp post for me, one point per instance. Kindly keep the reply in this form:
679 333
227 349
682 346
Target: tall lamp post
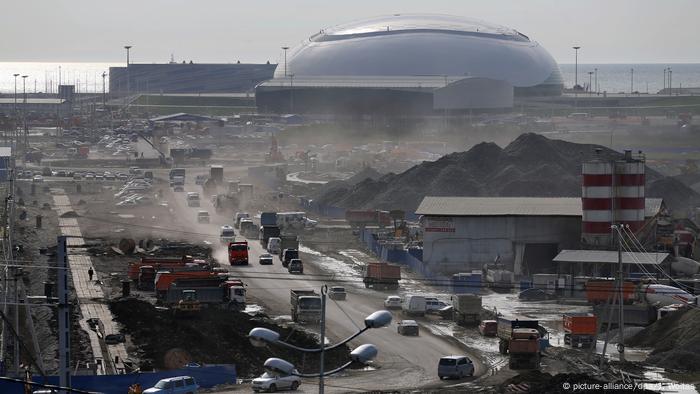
590 82
24 107
595 70
670 80
631 81
285 48
128 83
664 78
104 94
576 48
15 105
262 336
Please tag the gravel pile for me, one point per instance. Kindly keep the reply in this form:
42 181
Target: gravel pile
530 166
675 340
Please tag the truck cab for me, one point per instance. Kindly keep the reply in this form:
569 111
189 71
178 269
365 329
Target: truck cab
202 217
295 267
227 234
238 253
238 217
273 245
235 293
288 255
524 349
147 277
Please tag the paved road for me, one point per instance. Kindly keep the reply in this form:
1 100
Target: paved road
403 362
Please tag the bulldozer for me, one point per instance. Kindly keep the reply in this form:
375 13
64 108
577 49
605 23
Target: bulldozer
188 306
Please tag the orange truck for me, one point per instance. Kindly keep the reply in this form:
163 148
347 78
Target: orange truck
524 349
161 263
598 291
580 329
165 279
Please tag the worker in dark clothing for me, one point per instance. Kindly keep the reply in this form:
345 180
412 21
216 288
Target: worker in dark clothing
90 272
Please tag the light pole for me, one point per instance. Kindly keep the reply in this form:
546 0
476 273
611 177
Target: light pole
104 94
664 79
670 80
24 106
262 336
285 48
291 93
576 48
596 79
590 82
15 106
632 81
128 83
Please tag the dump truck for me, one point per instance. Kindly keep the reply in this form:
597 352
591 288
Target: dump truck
249 229
306 306
524 349
580 329
165 279
268 219
466 309
288 242
599 291
506 325
266 232
216 173
238 253
362 218
160 263
147 277
382 276
188 305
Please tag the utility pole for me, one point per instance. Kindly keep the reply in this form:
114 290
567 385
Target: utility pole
664 79
128 86
321 383
104 94
621 305
285 59
670 84
24 109
590 82
632 81
576 48
64 377
596 80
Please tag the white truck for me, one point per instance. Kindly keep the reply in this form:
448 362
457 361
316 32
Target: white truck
227 234
273 245
238 217
414 305
193 199
306 305
294 221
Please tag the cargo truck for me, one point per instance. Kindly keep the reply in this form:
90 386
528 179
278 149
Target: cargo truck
306 306
249 229
580 329
362 218
217 174
266 232
238 217
227 293
524 349
382 276
599 291
160 263
288 242
506 325
268 219
238 253
466 309
165 279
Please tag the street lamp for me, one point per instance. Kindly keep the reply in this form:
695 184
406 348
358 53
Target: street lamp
128 83
24 106
361 354
664 79
590 82
632 81
15 106
670 80
291 94
285 59
263 336
576 48
596 80
104 94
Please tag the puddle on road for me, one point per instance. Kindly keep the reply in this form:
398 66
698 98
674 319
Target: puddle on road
336 267
126 216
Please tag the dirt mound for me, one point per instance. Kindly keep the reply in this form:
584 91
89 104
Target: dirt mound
564 383
675 340
70 214
531 165
216 336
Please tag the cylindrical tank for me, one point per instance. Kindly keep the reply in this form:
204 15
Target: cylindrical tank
685 266
629 191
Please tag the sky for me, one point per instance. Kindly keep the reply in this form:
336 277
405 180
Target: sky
608 31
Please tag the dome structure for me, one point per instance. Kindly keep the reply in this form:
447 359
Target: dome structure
403 45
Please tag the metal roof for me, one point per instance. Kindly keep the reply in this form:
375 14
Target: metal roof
609 257
20 101
350 81
183 117
513 206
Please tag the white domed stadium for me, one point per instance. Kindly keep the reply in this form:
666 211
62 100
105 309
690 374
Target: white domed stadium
413 53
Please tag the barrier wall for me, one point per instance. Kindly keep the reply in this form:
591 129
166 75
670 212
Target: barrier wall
206 377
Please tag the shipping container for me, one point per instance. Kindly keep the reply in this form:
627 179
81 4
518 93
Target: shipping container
382 276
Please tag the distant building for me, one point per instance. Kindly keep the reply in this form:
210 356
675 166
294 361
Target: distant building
524 234
43 106
187 78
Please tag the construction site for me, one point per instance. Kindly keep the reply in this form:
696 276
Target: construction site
354 219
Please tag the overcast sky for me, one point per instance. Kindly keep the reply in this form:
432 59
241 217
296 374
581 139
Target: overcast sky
609 31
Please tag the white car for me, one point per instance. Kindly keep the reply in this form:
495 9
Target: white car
176 385
392 302
38 178
432 305
272 382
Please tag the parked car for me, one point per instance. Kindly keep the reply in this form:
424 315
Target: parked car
433 305
455 367
337 293
534 294
392 302
488 328
176 385
38 178
266 259
273 382
407 327
295 267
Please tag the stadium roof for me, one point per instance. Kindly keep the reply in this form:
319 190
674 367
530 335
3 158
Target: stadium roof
513 206
350 81
32 101
609 257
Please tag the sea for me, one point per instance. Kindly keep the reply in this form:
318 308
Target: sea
612 78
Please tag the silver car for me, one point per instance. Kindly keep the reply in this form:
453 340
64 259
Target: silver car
455 367
273 382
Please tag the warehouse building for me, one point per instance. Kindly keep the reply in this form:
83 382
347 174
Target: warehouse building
35 106
424 63
522 234
187 78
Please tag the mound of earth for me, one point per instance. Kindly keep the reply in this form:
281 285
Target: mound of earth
675 340
539 382
216 336
532 165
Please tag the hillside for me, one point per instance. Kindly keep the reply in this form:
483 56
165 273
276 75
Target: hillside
530 166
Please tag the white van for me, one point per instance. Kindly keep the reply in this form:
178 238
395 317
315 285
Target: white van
414 305
273 245
193 199
227 234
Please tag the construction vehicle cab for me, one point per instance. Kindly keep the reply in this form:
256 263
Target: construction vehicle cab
188 304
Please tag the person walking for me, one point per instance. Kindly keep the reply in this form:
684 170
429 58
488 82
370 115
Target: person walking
90 272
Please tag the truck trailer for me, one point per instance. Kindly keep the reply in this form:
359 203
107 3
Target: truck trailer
466 309
382 276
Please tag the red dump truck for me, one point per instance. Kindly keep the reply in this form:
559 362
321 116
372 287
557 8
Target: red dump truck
524 349
580 329
165 279
361 218
160 263
598 291
238 253
382 276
